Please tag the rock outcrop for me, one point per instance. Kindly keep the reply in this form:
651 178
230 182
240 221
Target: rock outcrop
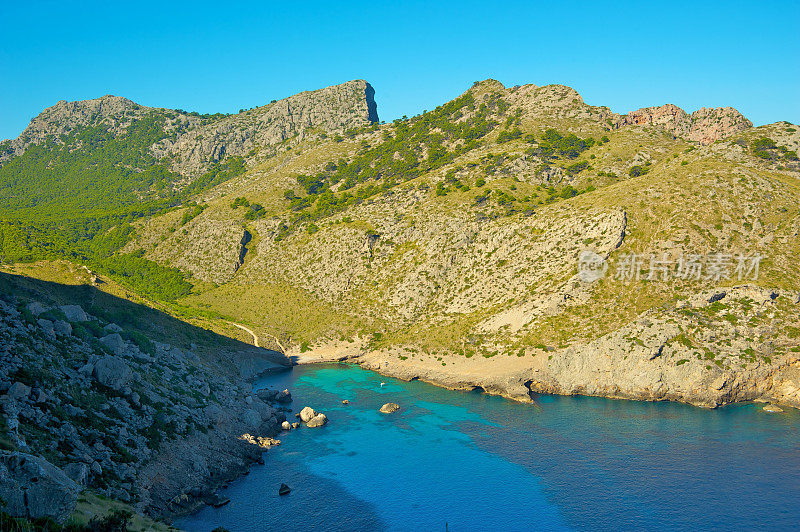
31 487
195 142
317 421
711 125
704 125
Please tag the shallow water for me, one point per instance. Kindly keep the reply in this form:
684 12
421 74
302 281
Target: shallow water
465 461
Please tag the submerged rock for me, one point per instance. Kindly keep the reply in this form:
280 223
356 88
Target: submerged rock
775 409
388 408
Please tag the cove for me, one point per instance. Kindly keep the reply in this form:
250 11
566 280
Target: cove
467 461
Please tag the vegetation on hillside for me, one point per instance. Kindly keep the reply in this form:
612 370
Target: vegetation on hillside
75 197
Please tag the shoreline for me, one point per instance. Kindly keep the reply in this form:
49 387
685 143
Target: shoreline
517 383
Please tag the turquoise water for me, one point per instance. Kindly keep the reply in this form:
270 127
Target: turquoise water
467 461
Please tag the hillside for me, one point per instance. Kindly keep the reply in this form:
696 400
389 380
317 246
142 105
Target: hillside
82 171
108 400
447 246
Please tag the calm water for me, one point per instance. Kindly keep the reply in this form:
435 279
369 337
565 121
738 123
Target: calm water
473 462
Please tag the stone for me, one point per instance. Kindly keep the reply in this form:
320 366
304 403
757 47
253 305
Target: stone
317 421
36 308
307 413
114 343
775 409
18 391
286 425
112 371
217 501
34 488
78 472
251 418
47 327
74 313
62 328
283 396
113 328
295 425
284 490
388 408
345 402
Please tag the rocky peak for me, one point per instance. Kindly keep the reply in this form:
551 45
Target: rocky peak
704 125
64 117
710 125
332 109
669 117
198 141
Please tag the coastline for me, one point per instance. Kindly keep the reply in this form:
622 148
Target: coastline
518 378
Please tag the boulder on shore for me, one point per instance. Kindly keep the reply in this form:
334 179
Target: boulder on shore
388 408
775 409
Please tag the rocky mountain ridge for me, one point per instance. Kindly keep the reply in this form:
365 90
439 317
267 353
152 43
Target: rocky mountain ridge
704 125
192 142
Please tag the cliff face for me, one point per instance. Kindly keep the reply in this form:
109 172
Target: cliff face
704 125
330 110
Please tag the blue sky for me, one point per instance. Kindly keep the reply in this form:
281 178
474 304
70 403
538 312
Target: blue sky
223 56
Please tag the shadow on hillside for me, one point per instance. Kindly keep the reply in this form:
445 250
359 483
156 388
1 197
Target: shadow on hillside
211 347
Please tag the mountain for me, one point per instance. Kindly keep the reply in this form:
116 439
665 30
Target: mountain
514 240
447 246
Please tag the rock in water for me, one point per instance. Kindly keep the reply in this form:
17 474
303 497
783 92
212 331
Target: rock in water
388 408
307 413
284 490
317 421
284 396
775 409
32 487
345 402
286 425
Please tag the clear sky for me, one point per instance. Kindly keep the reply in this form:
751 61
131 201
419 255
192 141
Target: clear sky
223 56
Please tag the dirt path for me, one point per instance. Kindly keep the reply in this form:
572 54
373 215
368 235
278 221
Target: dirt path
242 327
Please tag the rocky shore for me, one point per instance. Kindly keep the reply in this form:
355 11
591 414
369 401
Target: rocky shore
89 404
649 359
